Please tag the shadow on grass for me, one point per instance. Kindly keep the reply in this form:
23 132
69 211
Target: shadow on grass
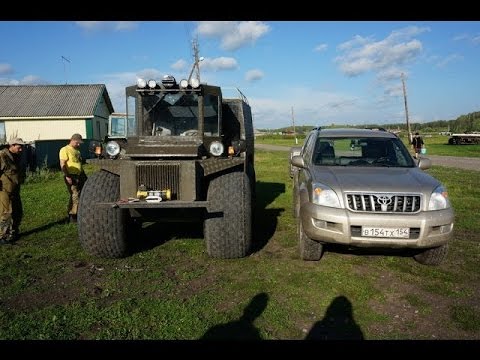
243 328
368 251
264 224
45 227
337 324
265 220
153 234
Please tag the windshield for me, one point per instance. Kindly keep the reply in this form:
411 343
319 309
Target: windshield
170 114
350 151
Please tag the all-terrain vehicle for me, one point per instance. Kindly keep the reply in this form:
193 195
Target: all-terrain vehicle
187 154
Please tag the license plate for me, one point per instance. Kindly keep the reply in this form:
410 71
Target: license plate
385 232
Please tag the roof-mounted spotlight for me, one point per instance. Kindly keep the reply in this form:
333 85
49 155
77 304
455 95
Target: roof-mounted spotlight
168 81
141 83
194 83
183 84
152 84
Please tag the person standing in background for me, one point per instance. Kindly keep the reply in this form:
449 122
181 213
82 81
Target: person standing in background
417 143
73 173
11 177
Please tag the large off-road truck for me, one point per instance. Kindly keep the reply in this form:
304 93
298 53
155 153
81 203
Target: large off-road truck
187 154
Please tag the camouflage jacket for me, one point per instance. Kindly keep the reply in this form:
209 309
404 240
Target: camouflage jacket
11 173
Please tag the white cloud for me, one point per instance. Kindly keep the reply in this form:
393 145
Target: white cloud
450 58
179 65
362 54
26 80
460 37
220 63
107 25
253 75
321 48
233 34
474 39
272 113
6 69
391 73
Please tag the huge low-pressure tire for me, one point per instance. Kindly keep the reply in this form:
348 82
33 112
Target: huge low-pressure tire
228 226
310 250
433 256
102 231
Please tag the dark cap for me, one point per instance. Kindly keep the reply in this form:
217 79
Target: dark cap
77 137
16 141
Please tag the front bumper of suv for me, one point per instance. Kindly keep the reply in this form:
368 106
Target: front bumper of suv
341 226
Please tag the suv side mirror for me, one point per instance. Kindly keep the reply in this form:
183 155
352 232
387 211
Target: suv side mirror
424 163
297 161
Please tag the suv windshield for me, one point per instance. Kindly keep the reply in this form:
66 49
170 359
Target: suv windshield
360 151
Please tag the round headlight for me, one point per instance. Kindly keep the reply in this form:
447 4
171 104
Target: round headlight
216 148
152 84
141 83
112 148
194 83
183 83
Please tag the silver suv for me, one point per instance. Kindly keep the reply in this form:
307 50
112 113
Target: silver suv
361 187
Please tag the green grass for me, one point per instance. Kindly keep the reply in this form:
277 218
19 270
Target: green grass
170 289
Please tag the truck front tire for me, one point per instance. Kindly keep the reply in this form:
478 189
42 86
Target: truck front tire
228 226
102 231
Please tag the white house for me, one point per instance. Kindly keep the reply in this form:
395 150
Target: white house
54 112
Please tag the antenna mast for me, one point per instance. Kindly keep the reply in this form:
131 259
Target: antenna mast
196 64
64 71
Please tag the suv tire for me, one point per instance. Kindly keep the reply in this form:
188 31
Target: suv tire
433 256
309 249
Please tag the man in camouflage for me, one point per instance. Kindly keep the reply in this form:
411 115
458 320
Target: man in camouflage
11 177
73 174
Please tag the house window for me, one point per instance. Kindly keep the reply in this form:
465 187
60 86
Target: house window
3 136
99 133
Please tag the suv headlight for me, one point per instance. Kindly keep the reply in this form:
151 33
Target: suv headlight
439 199
112 148
323 195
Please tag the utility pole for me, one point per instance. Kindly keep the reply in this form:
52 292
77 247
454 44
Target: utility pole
294 132
64 71
406 110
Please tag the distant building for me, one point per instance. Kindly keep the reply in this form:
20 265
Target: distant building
45 116
54 112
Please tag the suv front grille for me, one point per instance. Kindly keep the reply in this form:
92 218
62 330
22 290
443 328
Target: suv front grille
384 202
159 177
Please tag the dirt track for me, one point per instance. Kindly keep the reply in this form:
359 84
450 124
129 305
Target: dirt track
467 163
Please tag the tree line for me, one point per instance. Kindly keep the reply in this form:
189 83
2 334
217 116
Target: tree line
463 124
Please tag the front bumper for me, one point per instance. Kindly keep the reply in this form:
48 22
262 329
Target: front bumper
340 226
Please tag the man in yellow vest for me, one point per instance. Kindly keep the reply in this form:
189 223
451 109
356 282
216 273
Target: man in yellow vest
74 176
11 176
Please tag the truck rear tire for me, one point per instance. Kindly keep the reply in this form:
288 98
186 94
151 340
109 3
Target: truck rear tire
102 231
228 226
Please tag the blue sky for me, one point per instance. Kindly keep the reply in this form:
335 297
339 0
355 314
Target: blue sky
329 72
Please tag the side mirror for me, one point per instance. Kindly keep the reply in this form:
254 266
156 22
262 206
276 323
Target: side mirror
297 161
424 163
